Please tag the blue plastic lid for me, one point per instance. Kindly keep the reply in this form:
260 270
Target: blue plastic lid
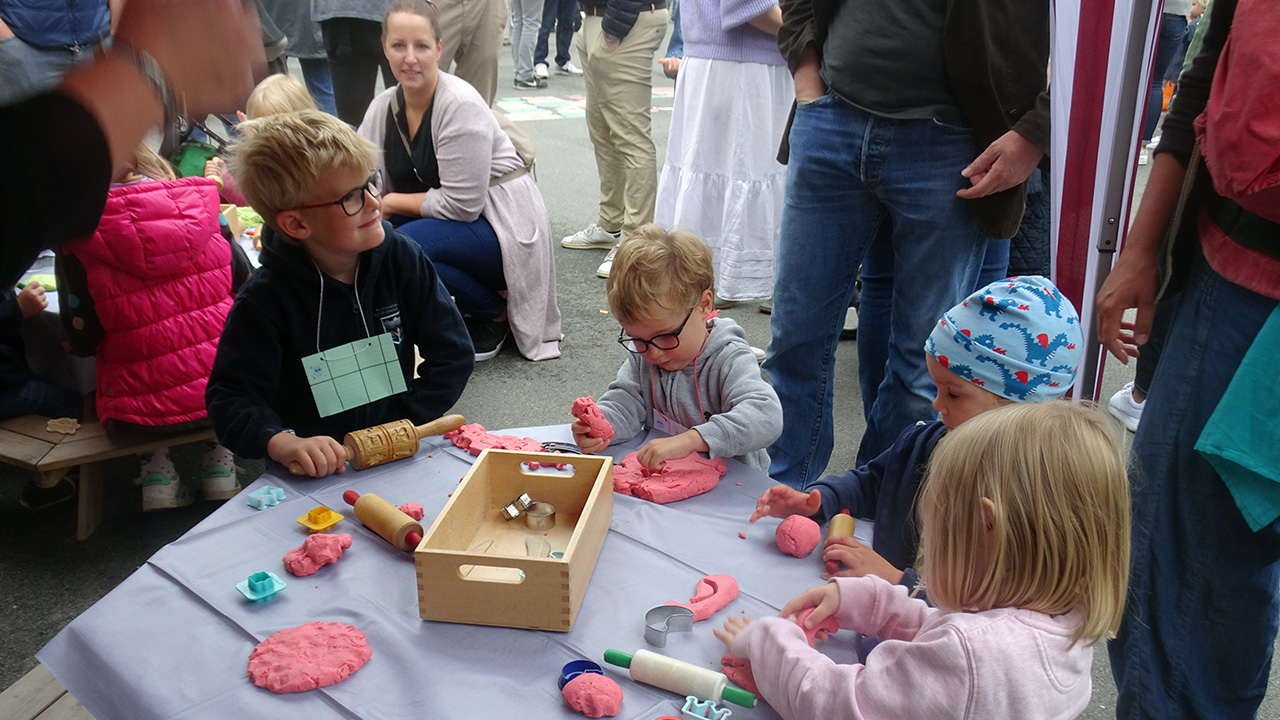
575 668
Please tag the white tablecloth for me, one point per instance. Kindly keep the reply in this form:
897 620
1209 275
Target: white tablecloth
173 640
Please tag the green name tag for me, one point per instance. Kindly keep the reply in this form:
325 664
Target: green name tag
355 374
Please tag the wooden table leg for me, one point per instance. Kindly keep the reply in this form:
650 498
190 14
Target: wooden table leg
89 512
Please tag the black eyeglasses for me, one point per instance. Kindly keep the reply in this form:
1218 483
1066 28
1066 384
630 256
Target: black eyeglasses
353 202
665 341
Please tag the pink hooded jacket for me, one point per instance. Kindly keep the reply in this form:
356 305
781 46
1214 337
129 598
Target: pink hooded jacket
159 273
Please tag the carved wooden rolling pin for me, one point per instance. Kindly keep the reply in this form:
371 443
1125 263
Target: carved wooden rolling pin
390 441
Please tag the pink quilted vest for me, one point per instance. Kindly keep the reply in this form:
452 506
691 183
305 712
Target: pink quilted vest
159 273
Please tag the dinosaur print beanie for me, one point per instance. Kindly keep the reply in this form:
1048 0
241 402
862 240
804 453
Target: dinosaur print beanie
1019 338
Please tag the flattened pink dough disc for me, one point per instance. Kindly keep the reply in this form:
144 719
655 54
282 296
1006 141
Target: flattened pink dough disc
593 695
315 552
586 410
413 510
679 479
712 594
317 654
798 535
475 439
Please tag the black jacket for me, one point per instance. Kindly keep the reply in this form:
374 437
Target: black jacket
619 15
258 389
13 351
997 55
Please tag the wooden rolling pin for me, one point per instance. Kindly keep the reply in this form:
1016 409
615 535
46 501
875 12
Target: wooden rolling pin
381 444
385 519
842 525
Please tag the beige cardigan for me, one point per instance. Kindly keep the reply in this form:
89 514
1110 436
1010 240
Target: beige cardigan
464 130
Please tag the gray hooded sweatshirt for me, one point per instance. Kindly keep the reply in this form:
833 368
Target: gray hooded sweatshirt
740 414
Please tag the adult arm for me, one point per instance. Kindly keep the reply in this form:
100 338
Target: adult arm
1009 160
762 14
619 17
464 152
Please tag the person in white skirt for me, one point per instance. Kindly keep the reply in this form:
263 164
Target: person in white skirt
721 178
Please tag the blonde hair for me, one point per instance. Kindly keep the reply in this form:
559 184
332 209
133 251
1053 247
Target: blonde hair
280 157
1060 536
146 163
276 94
657 271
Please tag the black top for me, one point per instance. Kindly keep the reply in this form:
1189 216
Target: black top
40 206
13 351
422 172
258 388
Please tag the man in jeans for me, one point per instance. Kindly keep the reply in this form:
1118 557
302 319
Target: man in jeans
617 46
896 99
563 16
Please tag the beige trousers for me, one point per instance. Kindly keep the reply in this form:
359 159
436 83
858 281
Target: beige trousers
619 102
472 35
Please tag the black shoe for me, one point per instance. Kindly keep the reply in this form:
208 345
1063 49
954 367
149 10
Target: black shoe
535 84
38 498
487 336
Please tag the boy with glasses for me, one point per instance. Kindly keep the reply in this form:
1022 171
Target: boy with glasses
321 339
689 375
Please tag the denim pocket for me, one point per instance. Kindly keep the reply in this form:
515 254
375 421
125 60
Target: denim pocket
954 124
814 102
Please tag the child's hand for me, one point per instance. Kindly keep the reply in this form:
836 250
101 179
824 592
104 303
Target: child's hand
670 65
824 599
732 626
586 443
319 456
858 559
31 299
656 452
782 501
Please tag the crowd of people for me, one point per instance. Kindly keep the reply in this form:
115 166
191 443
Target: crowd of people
815 146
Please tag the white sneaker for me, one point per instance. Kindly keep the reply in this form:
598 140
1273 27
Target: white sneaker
161 487
568 69
219 474
1125 409
540 71
607 265
591 236
759 353
1144 156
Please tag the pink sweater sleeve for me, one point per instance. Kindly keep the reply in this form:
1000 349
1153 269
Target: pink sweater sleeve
919 678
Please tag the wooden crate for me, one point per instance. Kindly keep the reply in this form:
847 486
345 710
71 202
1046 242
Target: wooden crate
473 566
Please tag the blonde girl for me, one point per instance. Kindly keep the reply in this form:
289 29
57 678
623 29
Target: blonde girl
1025 513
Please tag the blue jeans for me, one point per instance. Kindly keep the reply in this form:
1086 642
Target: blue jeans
40 397
1172 29
466 257
1200 625
561 14
315 72
859 183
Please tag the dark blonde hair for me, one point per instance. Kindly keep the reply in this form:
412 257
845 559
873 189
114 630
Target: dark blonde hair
425 8
1060 537
280 157
276 94
146 163
657 271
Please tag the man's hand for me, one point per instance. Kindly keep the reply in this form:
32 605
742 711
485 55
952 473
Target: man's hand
809 85
781 501
1005 163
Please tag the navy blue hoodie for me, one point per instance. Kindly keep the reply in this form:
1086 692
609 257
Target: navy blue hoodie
258 389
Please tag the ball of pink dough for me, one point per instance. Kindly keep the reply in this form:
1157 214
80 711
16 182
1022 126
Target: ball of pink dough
798 535
413 510
593 695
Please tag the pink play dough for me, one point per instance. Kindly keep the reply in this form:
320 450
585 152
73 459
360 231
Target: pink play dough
798 535
712 594
309 656
739 672
585 409
677 480
413 510
830 625
475 439
593 695
315 552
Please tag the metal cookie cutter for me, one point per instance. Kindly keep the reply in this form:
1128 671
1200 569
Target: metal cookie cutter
664 619
540 516
517 506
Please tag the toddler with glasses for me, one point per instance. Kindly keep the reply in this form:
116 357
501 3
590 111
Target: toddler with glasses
689 374
321 339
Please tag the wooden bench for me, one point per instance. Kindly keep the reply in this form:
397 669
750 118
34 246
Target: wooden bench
27 443
39 696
